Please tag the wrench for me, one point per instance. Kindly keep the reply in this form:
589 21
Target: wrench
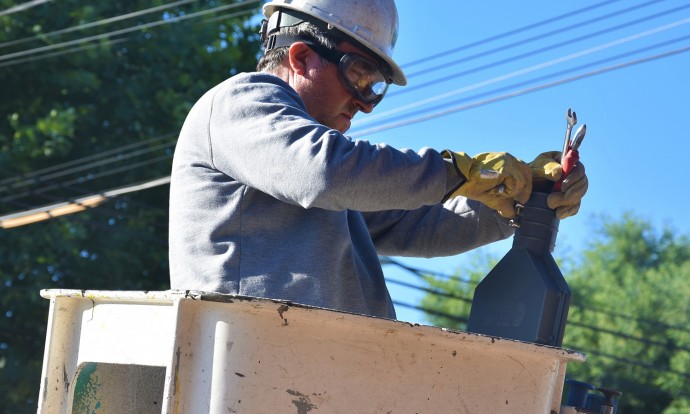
571 118
570 156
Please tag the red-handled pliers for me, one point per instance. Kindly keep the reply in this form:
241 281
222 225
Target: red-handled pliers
570 155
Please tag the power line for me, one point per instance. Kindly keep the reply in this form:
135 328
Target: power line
119 156
124 31
371 118
69 207
545 77
105 161
558 44
112 42
502 61
530 69
24 6
637 363
455 109
69 164
422 273
61 53
84 179
388 126
593 328
112 213
509 33
434 292
96 23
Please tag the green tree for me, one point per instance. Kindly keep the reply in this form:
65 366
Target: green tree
629 312
633 316
82 112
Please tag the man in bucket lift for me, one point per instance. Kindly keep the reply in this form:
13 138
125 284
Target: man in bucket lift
270 199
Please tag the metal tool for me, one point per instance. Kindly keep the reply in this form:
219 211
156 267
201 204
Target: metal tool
579 136
570 156
571 118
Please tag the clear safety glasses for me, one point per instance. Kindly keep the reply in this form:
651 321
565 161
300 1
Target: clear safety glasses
362 77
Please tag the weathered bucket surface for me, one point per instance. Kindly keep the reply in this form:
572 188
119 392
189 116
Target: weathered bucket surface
233 354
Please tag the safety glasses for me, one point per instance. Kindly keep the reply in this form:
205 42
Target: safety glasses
362 77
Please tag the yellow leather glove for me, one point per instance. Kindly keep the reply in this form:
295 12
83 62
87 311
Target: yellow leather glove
496 179
545 169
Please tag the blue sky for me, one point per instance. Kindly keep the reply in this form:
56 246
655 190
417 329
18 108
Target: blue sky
637 141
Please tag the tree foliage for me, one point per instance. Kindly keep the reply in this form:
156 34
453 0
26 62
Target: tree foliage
629 312
79 117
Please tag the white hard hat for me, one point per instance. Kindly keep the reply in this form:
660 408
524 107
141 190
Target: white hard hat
371 23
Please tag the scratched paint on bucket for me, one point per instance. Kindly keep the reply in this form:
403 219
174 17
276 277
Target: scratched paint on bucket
302 402
86 387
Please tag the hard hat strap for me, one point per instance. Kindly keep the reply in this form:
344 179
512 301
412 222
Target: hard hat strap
270 33
277 20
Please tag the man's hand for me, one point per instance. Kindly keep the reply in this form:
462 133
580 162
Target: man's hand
496 179
566 202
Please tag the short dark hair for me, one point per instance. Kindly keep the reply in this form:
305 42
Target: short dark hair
271 59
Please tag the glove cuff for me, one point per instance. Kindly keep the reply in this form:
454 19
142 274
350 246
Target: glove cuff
452 158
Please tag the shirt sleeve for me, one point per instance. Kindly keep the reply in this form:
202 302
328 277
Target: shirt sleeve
447 229
261 135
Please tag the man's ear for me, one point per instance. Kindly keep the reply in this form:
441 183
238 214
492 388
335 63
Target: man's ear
299 56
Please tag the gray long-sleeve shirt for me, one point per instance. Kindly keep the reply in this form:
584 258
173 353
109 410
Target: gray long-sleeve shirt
267 202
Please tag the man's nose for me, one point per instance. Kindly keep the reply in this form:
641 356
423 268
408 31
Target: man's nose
363 106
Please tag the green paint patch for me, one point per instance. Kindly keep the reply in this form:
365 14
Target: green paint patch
86 387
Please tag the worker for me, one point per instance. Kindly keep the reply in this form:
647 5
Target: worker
269 198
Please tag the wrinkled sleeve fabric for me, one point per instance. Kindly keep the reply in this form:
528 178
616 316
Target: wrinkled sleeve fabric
447 229
270 143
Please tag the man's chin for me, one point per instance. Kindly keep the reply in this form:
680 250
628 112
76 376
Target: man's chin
344 123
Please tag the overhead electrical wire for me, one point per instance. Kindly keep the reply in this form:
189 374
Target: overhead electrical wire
69 164
83 179
424 273
673 24
24 6
530 69
542 36
434 292
120 157
509 33
603 46
102 22
590 327
389 124
502 61
108 209
82 167
513 86
109 44
525 91
74 206
60 53
118 32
